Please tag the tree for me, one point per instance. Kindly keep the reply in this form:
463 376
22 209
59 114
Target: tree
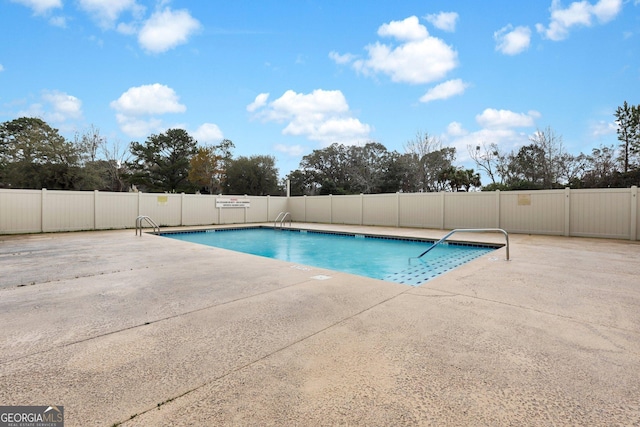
162 163
600 167
35 155
628 121
367 167
553 154
115 165
488 158
300 183
208 166
428 160
255 176
327 168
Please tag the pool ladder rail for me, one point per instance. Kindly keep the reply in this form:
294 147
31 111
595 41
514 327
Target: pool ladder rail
152 223
281 218
466 230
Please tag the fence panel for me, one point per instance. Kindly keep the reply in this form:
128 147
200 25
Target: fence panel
164 209
380 209
601 213
276 205
346 209
259 210
20 211
533 212
470 210
318 209
199 209
297 207
115 210
68 210
421 210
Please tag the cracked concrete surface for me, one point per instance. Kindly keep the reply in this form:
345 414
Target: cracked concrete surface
142 331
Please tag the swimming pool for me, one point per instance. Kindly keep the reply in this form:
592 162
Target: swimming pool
378 257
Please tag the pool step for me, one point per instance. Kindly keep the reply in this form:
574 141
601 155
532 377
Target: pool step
432 267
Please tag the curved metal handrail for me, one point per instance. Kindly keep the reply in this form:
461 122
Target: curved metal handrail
466 230
156 227
282 217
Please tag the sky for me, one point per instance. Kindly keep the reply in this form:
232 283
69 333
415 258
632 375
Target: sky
284 78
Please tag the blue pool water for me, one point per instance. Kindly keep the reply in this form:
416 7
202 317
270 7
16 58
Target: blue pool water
370 256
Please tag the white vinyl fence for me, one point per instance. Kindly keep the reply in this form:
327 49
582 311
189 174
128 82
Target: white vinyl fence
606 213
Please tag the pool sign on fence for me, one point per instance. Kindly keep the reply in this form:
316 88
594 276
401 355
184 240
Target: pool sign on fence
232 202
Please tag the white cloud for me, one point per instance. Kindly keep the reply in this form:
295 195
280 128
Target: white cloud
138 127
577 14
419 58
40 7
322 116
58 21
167 29
445 90
507 139
55 107
409 29
291 150
607 10
148 99
137 107
341 59
445 21
512 41
504 119
603 128
259 102
107 12
64 106
208 133
456 129
1 68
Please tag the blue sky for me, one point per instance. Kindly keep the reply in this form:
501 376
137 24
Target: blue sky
286 77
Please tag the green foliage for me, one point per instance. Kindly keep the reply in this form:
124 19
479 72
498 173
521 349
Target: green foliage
35 155
628 120
162 163
371 168
208 166
254 176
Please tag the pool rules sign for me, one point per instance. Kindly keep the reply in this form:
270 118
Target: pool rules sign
232 202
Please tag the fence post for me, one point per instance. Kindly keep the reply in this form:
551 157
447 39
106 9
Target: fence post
498 209
397 209
567 211
330 208
634 213
182 209
443 212
95 209
43 197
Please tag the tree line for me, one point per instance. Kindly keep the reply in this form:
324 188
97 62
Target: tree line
545 164
34 155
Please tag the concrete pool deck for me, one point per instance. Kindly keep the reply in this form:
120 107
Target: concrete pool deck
141 331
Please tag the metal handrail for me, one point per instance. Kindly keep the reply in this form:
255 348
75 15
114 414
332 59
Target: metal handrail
156 227
282 216
469 230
